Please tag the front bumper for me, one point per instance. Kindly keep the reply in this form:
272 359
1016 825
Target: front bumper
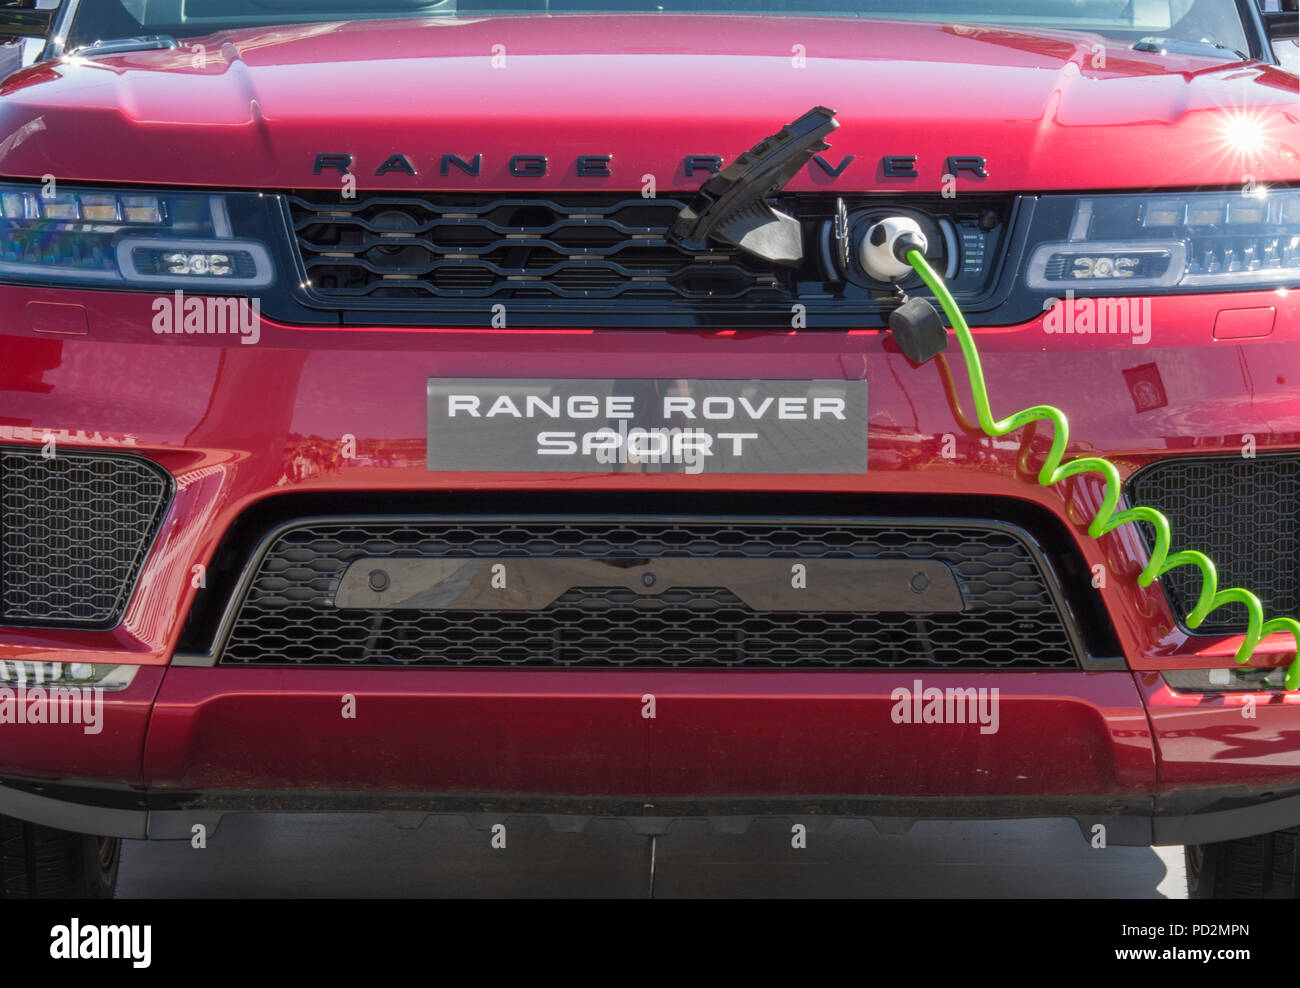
241 427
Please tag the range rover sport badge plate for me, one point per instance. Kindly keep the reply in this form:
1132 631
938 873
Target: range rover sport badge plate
647 426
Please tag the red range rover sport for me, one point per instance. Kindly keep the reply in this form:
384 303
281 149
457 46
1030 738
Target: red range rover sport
497 407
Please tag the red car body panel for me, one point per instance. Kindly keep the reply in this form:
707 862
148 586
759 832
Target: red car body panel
574 734
67 751
234 423
1216 741
262 104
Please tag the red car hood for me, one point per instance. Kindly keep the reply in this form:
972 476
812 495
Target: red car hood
255 108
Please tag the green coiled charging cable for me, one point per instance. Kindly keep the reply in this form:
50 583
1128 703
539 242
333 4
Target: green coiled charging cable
1107 519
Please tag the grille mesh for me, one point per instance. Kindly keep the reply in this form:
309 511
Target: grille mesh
417 248
74 531
1009 621
1242 513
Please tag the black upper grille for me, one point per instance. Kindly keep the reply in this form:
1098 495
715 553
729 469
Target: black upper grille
417 248
1010 617
74 531
587 259
1244 513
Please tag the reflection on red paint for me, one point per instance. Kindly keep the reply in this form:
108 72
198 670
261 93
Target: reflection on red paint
1145 387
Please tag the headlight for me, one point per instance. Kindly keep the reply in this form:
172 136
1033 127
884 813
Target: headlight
133 239
1188 242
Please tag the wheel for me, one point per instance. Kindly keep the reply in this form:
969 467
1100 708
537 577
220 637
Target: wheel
1262 867
38 862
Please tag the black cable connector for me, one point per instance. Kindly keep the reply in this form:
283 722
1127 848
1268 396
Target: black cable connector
918 330
904 243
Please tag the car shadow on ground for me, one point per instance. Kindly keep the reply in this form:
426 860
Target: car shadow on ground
365 856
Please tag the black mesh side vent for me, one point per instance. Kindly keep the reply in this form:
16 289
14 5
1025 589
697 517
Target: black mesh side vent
74 531
1244 513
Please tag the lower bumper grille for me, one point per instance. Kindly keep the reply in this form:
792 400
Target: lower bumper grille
1244 513
74 531
1008 615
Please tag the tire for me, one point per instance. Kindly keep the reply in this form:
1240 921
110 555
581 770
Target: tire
1263 867
38 862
